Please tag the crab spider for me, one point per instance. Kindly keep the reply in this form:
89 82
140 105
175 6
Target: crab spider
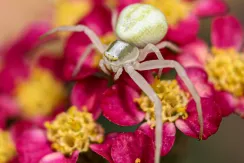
138 28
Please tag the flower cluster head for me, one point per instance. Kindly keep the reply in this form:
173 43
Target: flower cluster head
223 62
51 98
72 131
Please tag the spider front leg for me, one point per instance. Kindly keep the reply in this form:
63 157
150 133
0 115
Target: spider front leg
81 60
154 64
103 67
152 48
147 50
114 18
80 28
147 89
92 36
118 73
169 45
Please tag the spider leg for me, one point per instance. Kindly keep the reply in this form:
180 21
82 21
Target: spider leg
80 28
169 45
81 60
153 64
147 50
103 67
118 73
114 18
147 89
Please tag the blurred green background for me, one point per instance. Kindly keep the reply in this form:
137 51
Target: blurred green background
227 146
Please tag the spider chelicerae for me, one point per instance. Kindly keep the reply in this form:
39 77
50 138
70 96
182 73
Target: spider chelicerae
139 28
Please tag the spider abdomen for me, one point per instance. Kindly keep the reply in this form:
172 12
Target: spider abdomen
140 24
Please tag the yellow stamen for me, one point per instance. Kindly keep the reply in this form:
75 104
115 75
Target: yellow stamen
174 10
73 130
68 12
111 3
108 38
226 71
138 160
7 147
174 101
40 94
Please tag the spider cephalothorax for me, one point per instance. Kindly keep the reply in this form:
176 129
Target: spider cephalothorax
139 28
121 51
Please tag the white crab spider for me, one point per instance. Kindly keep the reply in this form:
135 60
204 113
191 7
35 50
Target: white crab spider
138 28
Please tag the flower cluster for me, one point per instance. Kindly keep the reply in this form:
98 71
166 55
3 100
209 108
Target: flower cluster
49 108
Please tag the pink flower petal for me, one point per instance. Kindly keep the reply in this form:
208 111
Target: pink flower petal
20 127
124 3
185 31
211 116
194 54
28 40
32 145
189 60
14 160
54 64
206 8
199 79
15 66
71 60
60 158
227 33
88 93
240 107
125 79
119 107
8 109
127 147
99 20
226 102
11 73
169 132
104 149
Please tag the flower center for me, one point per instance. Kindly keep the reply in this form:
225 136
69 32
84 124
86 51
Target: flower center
7 147
174 10
111 3
106 40
68 12
173 99
40 94
226 71
138 160
73 130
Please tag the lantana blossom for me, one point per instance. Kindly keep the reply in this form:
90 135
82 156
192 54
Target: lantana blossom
223 62
27 79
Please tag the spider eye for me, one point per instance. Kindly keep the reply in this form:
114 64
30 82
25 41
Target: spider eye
140 24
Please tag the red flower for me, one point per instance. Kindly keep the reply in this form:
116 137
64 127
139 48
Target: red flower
59 139
119 106
126 147
187 16
99 20
25 82
223 64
